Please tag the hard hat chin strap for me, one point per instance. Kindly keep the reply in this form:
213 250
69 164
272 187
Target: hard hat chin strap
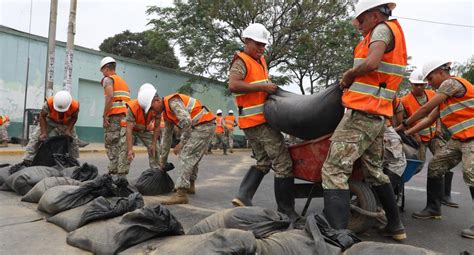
385 10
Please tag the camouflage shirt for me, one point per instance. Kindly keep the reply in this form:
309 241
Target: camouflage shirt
383 33
452 88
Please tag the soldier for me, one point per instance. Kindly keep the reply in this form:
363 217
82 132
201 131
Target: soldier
249 80
453 102
116 95
221 131
58 117
430 137
144 126
379 64
230 123
197 126
4 122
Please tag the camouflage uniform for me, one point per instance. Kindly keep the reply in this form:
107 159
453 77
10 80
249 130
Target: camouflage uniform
3 132
394 158
220 140
116 146
53 129
270 150
195 141
146 137
358 135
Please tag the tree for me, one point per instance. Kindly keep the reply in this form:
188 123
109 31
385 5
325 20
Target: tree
208 33
144 46
466 70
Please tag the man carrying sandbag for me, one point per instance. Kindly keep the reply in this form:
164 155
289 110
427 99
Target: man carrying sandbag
145 126
249 81
379 65
58 117
197 126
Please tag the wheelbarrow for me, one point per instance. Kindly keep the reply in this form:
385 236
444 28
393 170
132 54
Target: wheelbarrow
308 159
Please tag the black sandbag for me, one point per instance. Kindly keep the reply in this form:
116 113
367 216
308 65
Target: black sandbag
262 222
81 173
35 194
4 173
409 140
23 181
102 208
52 145
342 238
114 235
376 248
65 160
305 116
51 201
69 219
154 182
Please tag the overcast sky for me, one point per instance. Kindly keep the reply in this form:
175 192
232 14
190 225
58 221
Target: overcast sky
99 19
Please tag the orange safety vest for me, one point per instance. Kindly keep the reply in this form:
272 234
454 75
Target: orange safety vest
120 97
162 122
457 114
199 114
373 93
219 126
251 104
64 117
411 105
142 121
229 122
3 119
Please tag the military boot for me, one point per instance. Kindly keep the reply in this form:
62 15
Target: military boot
248 187
434 195
192 188
447 200
469 232
179 197
337 207
285 197
224 148
394 228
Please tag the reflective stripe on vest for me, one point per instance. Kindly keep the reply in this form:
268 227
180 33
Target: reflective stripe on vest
66 116
385 67
457 107
252 110
120 96
411 105
142 121
196 111
374 91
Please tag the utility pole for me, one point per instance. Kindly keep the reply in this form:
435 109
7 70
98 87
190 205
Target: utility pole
51 45
71 31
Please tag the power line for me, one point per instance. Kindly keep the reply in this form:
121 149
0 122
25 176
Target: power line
436 22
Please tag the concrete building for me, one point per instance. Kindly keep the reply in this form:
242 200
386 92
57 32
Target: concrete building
17 47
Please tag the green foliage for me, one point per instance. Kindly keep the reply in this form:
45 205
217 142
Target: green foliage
466 70
145 46
309 39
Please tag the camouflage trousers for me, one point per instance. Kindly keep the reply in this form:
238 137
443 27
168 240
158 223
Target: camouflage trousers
53 129
270 150
220 139
146 137
358 136
230 139
192 152
449 156
115 146
435 145
3 133
393 158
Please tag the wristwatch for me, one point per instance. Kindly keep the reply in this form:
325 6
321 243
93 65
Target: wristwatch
404 123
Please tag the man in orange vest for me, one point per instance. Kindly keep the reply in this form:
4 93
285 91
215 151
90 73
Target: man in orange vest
370 87
58 117
249 81
197 126
117 95
230 123
221 131
145 127
430 137
4 122
453 103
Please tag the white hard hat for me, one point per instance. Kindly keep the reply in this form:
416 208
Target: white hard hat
416 77
219 111
430 66
62 101
105 61
145 97
365 5
256 32
230 111
146 86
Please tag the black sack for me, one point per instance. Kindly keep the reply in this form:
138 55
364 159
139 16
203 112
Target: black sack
154 182
65 160
24 180
409 140
305 116
102 208
342 238
81 173
53 145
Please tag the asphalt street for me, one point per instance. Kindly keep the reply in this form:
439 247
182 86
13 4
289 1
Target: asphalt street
218 181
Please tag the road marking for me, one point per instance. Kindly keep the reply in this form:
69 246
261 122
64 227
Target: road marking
424 190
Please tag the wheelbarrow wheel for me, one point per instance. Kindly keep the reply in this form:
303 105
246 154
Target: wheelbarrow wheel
362 197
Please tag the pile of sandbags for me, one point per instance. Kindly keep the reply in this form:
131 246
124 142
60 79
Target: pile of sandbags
35 194
23 180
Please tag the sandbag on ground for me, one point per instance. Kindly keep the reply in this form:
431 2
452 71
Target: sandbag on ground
81 173
4 173
23 181
34 195
114 235
305 116
154 182
69 219
262 222
50 201
374 248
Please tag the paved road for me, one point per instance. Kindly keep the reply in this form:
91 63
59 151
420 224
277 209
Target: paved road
218 182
